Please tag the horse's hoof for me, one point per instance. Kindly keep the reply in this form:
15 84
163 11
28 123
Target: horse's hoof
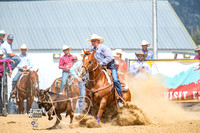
98 120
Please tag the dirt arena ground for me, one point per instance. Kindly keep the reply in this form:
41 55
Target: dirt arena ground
163 116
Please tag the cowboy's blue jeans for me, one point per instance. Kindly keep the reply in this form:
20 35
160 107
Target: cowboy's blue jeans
116 81
81 87
16 60
15 79
13 107
65 75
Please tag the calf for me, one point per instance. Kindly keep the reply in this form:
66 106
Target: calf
60 104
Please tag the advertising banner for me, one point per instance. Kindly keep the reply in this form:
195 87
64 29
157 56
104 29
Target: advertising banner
182 78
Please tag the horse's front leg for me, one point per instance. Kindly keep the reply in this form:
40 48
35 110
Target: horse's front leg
28 105
103 104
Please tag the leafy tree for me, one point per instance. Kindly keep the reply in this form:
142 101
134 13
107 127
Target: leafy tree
196 37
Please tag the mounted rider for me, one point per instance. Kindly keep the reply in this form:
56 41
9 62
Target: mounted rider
24 66
103 55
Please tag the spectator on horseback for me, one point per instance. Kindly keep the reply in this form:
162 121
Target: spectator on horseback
140 69
2 36
145 50
65 63
75 71
7 47
121 64
198 51
104 56
24 66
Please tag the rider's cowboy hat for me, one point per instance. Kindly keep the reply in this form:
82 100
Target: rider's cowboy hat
141 53
3 32
1 52
118 51
66 47
23 47
198 48
96 37
144 42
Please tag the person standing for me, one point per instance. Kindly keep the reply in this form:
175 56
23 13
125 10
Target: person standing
140 69
122 66
65 63
198 51
7 61
2 36
145 50
24 66
75 71
7 47
104 56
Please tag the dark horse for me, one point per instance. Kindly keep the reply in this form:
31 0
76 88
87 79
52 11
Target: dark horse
99 89
26 89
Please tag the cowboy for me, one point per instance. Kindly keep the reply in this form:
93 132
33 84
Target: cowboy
140 69
24 66
2 36
198 51
7 47
65 63
104 56
122 66
145 45
75 71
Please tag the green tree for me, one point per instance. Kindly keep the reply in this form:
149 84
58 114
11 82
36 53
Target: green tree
196 37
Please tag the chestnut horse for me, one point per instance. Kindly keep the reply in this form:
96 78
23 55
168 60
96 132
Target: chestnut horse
71 89
26 89
99 89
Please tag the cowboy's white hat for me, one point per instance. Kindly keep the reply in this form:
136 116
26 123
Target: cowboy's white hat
96 37
141 53
118 51
3 32
66 47
198 48
23 46
1 52
144 42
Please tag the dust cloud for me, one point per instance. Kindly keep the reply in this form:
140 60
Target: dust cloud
149 96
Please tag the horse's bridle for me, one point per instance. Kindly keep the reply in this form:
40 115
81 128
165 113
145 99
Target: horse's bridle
87 70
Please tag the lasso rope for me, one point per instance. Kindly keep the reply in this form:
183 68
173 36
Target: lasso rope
70 100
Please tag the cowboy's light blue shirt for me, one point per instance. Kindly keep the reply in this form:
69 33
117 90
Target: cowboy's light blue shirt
149 55
103 54
7 48
25 60
76 68
137 64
